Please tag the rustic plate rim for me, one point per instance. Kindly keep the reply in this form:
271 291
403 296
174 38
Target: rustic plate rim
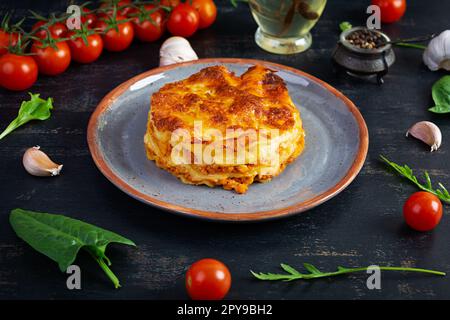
101 164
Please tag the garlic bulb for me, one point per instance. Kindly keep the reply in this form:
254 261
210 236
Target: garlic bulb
427 132
175 50
437 54
37 163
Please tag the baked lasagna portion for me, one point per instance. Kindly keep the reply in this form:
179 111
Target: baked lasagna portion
218 129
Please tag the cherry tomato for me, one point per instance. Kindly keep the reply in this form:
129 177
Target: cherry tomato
88 18
391 10
124 7
117 40
208 279
51 61
57 30
101 16
422 211
183 20
83 53
40 33
152 27
17 72
7 39
170 3
207 11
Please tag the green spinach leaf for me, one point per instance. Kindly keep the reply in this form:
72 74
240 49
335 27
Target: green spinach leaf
60 238
441 95
34 109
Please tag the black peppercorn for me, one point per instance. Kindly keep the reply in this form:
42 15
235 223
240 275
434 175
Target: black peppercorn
365 39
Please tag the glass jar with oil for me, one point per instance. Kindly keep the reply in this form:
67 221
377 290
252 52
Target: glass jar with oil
284 25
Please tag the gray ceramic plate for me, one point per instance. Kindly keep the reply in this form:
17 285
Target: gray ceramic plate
336 147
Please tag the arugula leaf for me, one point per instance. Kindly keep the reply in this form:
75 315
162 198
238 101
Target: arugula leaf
441 95
60 238
315 273
310 268
289 269
407 172
34 109
345 25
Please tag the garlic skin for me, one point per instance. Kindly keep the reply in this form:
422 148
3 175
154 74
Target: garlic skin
427 132
37 163
437 54
176 50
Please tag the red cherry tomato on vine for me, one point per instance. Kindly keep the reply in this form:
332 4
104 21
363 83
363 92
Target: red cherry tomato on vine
9 34
183 20
83 53
207 11
170 3
114 40
88 18
208 279
124 7
422 211
391 10
57 30
17 72
152 27
51 61
7 39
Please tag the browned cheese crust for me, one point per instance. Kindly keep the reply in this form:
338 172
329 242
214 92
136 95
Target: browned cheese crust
258 99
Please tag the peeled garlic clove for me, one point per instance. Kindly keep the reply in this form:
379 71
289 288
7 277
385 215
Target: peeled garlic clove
427 132
176 50
37 163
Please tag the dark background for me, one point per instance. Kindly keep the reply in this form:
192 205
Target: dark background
361 226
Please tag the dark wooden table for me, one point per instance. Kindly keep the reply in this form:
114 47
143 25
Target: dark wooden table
361 226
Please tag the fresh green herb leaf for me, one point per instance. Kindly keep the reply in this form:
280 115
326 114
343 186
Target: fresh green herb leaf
428 184
310 268
34 109
439 109
441 91
407 172
315 273
270 276
289 269
441 95
345 25
60 238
